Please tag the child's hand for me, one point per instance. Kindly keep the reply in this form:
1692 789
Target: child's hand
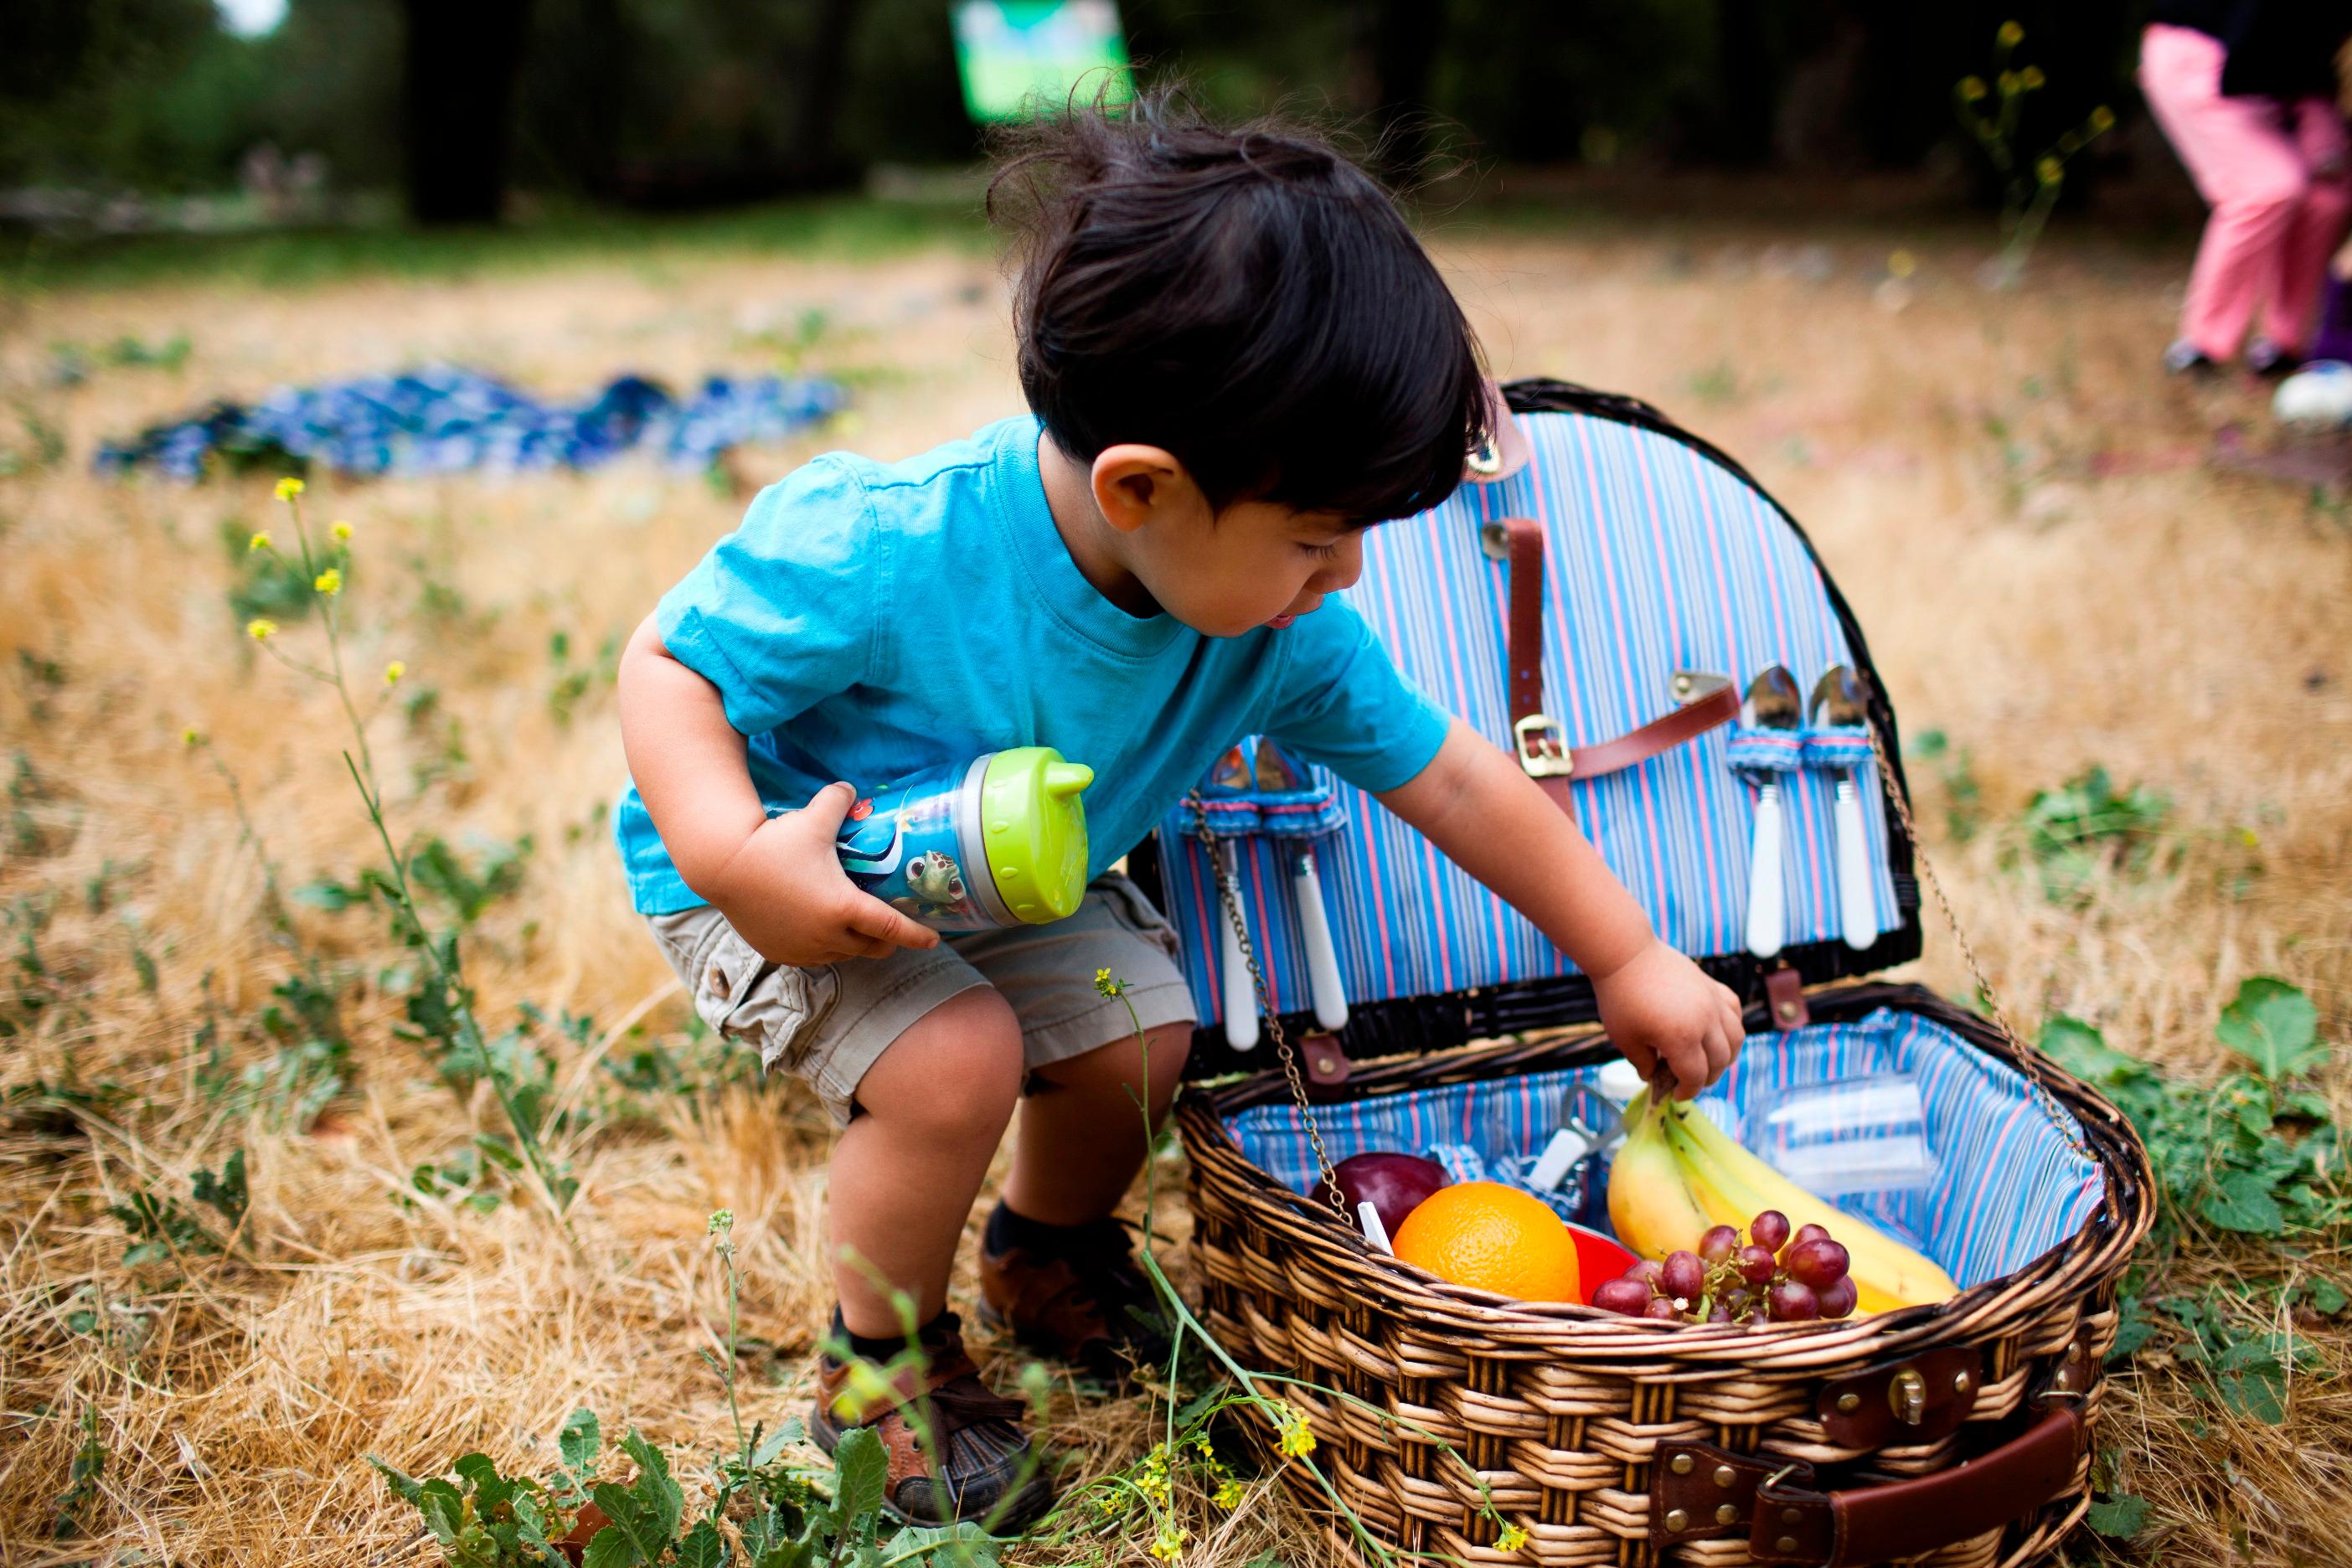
784 890
1659 1005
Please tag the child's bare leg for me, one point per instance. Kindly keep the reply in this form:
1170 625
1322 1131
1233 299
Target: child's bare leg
933 1109
1082 1130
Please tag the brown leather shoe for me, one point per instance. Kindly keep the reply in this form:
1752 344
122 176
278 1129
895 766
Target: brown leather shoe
987 1472
1085 1299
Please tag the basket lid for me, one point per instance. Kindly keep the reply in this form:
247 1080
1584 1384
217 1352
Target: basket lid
1666 567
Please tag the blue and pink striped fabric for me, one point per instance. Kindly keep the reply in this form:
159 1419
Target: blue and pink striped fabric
2007 1186
1656 559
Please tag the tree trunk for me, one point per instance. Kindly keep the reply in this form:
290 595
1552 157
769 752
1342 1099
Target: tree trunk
1405 38
458 91
823 79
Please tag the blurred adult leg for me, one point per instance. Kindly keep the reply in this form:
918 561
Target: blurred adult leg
2318 226
2246 166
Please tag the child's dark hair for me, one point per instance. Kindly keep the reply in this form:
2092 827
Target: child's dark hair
1247 298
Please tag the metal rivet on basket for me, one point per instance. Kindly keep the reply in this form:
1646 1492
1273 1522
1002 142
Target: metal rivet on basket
2061 1382
1495 540
1682 1463
2074 1352
1849 1402
1725 1475
1725 1514
1785 1543
1678 1519
1790 1515
1906 1394
1960 1383
1786 1011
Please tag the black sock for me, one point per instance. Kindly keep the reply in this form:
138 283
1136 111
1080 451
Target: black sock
880 1350
1007 1230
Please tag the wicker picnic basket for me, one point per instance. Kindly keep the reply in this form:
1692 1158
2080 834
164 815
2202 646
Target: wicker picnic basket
1958 1435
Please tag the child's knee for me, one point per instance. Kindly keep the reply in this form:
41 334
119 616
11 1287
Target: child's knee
954 1075
1127 1063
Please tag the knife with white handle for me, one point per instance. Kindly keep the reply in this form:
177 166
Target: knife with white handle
1857 901
1241 997
1768 914
1322 954
1773 703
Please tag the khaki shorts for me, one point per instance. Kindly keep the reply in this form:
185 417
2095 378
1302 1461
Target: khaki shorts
828 1024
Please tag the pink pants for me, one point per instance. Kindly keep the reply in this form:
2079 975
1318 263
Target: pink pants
2274 172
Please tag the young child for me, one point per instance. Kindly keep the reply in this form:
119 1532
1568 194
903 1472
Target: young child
1236 358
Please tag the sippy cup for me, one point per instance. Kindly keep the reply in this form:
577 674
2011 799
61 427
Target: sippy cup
998 841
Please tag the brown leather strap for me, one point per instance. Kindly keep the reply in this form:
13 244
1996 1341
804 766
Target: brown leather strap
1542 743
1523 636
1699 1491
1906 1519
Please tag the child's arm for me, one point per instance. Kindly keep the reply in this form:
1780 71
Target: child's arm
1493 821
777 880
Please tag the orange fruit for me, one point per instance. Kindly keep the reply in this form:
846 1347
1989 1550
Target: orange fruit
1492 1237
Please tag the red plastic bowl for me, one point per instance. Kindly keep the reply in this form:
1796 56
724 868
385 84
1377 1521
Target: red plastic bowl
1597 1257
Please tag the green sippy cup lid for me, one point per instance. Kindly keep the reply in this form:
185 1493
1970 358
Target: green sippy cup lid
1034 827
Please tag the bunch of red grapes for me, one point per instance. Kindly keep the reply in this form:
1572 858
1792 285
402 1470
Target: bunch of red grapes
1772 1276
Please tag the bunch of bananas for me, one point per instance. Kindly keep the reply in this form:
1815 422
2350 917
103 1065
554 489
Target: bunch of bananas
1678 1174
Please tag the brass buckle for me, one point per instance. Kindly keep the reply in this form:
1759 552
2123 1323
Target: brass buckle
1543 750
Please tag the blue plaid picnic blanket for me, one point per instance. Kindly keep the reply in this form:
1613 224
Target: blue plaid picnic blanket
446 420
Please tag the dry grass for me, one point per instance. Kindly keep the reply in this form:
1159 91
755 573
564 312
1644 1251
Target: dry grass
2076 589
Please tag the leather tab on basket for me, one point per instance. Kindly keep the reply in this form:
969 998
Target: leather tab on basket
1692 1484
1908 1519
1784 995
1916 1400
1537 737
1325 1064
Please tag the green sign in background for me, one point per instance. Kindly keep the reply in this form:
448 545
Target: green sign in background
1017 56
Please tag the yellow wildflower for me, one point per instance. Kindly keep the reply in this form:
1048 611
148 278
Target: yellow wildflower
394 671
1170 1541
2103 118
288 488
330 582
1106 986
1229 1493
1902 263
190 736
1298 1438
1514 1536
2032 77
2010 36
2007 82
343 531
258 542
2050 171
261 628
1972 88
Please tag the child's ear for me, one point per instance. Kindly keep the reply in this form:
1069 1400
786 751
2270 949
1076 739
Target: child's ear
1133 484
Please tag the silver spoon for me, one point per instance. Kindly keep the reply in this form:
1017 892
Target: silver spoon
1773 703
1838 701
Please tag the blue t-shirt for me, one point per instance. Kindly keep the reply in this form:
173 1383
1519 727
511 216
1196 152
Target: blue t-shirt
869 619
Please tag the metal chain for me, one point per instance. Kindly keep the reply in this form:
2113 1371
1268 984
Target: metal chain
2027 1055
1231 890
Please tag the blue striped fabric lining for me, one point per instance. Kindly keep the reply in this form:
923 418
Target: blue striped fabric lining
2007 1186
1657 560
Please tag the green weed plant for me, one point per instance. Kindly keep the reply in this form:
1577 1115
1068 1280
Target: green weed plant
1992 115
439 1004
